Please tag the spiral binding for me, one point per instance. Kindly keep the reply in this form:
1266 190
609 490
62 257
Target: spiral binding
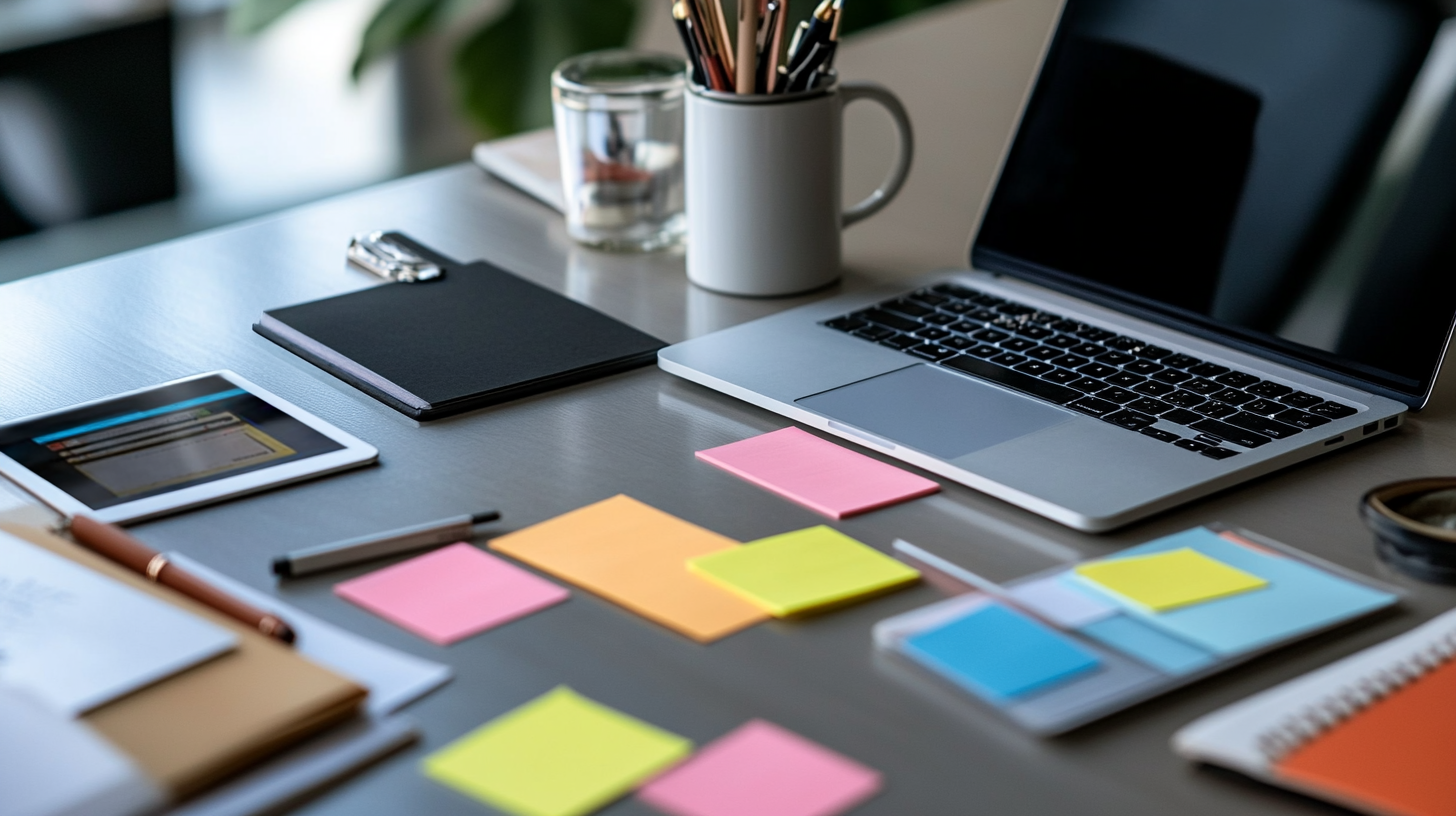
1324 714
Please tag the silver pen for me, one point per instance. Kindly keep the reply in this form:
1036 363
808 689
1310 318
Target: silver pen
354 550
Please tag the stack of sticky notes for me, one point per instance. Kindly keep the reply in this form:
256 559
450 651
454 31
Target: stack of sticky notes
451 593
803 571
818 474
635 555
1169 580
565 755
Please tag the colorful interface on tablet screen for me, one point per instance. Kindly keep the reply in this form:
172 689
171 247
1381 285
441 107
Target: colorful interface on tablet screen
163 440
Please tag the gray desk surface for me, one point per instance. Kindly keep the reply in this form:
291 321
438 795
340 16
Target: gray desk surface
187 306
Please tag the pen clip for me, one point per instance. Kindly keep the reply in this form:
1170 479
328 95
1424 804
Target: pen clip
376 253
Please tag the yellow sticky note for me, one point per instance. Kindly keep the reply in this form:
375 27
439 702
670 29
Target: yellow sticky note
803 570
1170 579
558 755
633 554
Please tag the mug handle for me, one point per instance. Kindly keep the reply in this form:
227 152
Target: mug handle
885 193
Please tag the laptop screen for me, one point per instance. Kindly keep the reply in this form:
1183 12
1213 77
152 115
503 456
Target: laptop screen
1279 175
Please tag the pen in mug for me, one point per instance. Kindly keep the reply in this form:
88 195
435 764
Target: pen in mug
702 30
722 43
768 67
817 32
695 59
747 64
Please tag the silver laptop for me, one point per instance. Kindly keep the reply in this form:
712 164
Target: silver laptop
1223 240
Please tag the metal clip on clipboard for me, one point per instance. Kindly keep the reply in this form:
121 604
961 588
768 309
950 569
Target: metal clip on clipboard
376 253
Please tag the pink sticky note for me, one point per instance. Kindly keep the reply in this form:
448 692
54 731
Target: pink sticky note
761 769
818 474
451 593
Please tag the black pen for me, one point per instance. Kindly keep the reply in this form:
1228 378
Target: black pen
680 17
800 78
379 545
817 32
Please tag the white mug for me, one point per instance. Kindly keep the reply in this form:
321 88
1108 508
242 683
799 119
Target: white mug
763 186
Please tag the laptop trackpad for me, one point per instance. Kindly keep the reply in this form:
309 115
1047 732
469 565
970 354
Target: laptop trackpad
934 411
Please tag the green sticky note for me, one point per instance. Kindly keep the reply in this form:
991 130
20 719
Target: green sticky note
803 570
1170 579
558 755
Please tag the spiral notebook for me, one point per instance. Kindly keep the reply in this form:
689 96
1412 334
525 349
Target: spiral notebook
1375 732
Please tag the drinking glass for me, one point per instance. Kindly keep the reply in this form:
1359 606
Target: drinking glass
619 131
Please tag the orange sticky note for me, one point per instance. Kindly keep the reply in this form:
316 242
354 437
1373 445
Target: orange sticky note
636 555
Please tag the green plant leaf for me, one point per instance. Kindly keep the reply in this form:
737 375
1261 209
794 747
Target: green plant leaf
503 70
396 23
251 16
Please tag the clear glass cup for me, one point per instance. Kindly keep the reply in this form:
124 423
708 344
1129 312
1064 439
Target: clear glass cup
619 130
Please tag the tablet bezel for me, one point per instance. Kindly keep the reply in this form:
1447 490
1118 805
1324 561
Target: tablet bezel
355 453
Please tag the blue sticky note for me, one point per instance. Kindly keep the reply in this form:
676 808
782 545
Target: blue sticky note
1300 598
998 653
1148 644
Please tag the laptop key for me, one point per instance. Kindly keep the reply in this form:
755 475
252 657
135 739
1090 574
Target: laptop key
909 308
1131 420
1117 395
1189 444
1034 332
991 335
1243 437
1014 380
1202 387
1116 358
1208 439
984 351
931 352
846 324
1172 375
1061 375
1123 343
1300 419
939 319
1184 399
958 343
874 333
900 342
1036 368
893 321
1301 400
1063 341
1044 354
1070 361
1066 326
1236 379
955 291
1232 396
1181 416
1014 309
932 333
1097 370
1007 359
1095 407
1263 425
1219 453
1153 353
1217 410
1147 368
984 315
1265 407
964 327
1180 361
1208 370
1148 405
1017 344
1095 334
1160 434
1122 379
1087 384
1333 410
1272 390
1088 349
1153 388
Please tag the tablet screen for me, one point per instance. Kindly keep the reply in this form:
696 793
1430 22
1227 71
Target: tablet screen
162 440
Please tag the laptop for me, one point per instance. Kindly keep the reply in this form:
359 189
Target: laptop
1221 242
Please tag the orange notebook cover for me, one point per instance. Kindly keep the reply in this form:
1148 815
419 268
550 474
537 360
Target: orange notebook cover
1398 754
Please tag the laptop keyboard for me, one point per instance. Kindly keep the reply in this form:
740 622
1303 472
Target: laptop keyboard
1217 411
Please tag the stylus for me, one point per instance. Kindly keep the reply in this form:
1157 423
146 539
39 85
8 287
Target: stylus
110 541
379 545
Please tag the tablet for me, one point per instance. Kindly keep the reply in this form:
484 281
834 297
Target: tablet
170 447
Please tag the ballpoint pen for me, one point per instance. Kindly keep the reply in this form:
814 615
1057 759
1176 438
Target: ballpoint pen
747 64
380 545
717 74
816 32
717 28
695 59
800 78
796 42
113 543
773 38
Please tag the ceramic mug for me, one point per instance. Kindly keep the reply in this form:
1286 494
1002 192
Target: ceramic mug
764 174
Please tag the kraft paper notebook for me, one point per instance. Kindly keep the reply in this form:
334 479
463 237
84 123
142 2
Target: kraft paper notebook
196 728
1375 732
477 336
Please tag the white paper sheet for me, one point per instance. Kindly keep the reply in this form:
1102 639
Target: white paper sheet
51 765
76 639
393 678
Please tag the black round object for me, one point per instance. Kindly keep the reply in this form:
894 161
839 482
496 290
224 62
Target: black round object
1410 543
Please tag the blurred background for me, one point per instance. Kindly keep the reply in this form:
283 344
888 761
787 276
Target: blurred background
127 122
